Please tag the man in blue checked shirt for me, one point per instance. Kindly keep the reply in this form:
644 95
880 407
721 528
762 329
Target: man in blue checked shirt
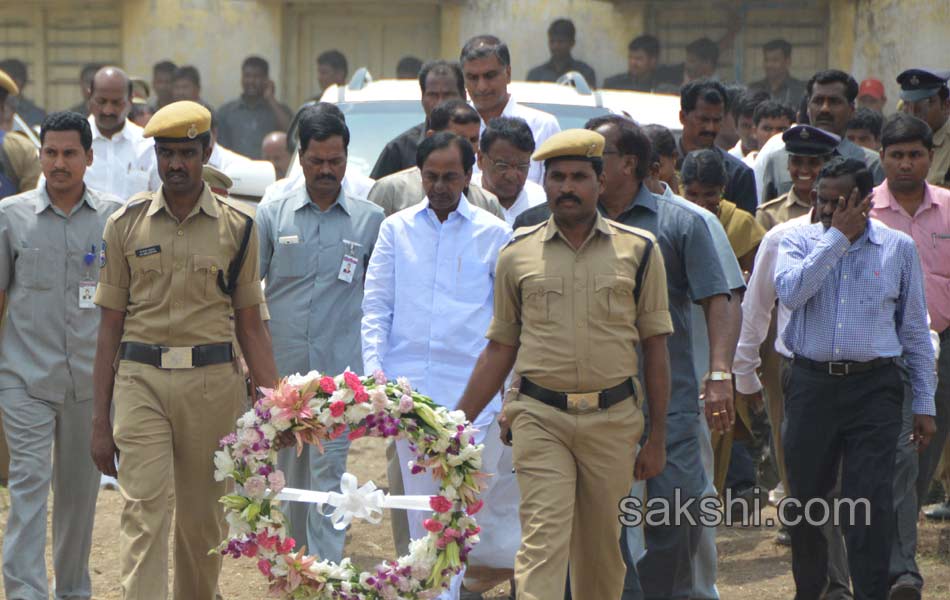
858 327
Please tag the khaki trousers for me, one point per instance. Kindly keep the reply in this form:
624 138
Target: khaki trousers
573 470
167 427
773 365
722 444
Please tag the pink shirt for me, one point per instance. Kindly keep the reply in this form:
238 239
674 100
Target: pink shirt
930 229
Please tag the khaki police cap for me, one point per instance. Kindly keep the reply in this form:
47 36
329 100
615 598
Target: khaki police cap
183 120
572 143
215 178
7 83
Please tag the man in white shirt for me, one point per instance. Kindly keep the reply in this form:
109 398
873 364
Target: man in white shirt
504 156
428 298
125 161
486 65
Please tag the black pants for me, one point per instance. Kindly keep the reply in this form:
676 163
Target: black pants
854 420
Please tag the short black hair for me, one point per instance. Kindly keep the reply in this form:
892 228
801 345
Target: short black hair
707 90
321 108
704 49
15 68
840 166
483 46
901 128
771 109
321 125
563 28
513 130
834 76
778 44
68 121
335 60
704 167
256 62
164 66
441 141
455 111
746 103
865 118
407 65
662 141
188 72
647 43
632 142
442 67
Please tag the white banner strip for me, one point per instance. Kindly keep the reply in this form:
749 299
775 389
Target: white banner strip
313 497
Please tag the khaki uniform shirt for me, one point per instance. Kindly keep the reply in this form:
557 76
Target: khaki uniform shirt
784 208
24 159
48 341
164 274
404 189
578 315
939 173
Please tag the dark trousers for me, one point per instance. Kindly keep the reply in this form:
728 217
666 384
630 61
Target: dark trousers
930 457
853 420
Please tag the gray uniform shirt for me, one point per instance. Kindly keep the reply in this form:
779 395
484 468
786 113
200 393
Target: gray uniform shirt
48 343
315 315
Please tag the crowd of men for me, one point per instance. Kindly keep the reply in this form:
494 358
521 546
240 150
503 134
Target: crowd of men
761 302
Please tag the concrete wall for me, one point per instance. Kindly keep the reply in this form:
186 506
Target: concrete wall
603 30
893 35
213 35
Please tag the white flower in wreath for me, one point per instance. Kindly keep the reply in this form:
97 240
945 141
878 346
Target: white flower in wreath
299 380
237 526
223 465
358 412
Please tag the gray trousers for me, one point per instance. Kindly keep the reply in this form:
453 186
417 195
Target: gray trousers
322 472
49 443
904 546
930 457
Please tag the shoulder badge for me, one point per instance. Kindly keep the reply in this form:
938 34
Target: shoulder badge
241 207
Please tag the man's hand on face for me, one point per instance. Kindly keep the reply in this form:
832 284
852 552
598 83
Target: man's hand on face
851 215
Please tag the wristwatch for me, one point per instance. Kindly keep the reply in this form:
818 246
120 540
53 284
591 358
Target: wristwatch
719 376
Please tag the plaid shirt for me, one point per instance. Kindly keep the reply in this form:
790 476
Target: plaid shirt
857 302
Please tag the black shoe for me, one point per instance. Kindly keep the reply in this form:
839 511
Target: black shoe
938 513
905 588
935 494
783 538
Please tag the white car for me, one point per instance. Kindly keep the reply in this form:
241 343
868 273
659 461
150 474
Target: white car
378 111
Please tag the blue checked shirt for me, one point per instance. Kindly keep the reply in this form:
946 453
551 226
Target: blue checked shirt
857 302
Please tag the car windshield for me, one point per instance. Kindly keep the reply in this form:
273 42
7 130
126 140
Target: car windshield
373 124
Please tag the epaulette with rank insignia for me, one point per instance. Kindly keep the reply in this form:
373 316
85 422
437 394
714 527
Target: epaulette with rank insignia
643 233
136 200
774 201
523 233
241 207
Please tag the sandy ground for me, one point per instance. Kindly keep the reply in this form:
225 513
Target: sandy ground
751 565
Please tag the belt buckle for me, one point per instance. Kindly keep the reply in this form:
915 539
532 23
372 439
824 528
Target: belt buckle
838 372
583 403
177 357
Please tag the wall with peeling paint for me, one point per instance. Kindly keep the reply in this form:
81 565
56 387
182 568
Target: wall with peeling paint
603 30
893 35
213 35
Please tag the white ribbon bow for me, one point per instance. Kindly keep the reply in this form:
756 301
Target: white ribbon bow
366 502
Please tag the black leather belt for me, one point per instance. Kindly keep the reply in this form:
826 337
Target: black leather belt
843 368
945 335
181 357
581 402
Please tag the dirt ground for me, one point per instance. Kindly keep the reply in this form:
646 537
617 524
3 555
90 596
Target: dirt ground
751 565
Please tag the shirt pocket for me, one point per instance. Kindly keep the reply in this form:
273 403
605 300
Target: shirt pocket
941 243
205 270
290 260
542 299
33 268
146 273
613 299
472 281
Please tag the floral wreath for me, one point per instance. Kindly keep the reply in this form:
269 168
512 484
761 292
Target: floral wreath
316 407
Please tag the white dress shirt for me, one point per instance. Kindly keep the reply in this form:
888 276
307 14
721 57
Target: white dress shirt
543 125
222 159
530 196
123 165
760 297
428 299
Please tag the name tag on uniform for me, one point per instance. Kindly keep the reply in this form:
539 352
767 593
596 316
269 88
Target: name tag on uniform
287 240
347 268
148 251
87 291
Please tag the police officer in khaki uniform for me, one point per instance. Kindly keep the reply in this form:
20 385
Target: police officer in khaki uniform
924 94
19 163
176 264
575 298
809 148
